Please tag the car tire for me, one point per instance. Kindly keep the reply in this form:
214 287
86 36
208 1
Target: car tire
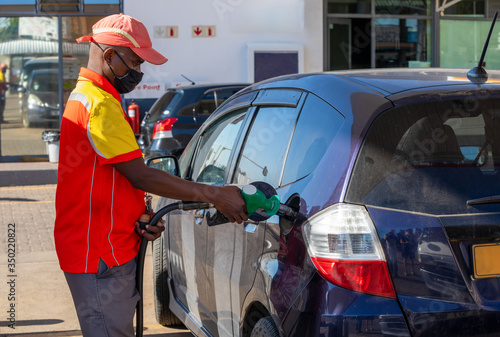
164 315
265 327
26 121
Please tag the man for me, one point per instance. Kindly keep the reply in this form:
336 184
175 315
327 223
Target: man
101 179
3 89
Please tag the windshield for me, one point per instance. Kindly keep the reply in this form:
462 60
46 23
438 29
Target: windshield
45 82
431 157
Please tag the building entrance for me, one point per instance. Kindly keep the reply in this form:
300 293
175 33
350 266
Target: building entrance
349 43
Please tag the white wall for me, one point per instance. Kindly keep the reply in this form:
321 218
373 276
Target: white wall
224 58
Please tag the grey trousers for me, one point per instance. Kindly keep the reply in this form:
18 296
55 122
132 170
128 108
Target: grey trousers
105 302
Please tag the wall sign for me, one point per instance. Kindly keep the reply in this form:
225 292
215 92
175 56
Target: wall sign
166 31
203 31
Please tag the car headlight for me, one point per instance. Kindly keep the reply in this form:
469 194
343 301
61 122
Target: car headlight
33 101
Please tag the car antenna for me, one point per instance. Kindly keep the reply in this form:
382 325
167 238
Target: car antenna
478 74
192 82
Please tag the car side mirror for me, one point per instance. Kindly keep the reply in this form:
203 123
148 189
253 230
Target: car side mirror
169 164
21 89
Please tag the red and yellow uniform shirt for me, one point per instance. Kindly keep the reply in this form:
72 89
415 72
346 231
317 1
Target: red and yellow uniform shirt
96 206
3 83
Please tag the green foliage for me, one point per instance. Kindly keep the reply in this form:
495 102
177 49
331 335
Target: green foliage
9 28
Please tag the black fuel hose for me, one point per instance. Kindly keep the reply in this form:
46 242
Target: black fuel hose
139 278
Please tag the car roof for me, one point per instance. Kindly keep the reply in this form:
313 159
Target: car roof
43 71
394 81
207 86
44 59
384 81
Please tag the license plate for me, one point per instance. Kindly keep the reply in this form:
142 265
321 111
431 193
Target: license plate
486 259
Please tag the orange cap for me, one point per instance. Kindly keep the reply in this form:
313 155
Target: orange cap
125 31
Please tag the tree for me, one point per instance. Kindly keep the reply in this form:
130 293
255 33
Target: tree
9 29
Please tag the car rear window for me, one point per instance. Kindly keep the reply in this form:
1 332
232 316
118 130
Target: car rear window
164 105
431 157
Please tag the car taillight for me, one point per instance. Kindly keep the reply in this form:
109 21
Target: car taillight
163 128
346 251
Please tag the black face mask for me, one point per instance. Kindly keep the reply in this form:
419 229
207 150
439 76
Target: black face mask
127 82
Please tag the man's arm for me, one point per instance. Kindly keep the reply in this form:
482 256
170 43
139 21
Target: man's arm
226 199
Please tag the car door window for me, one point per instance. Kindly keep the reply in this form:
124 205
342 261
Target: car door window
318 124
215 148
265 147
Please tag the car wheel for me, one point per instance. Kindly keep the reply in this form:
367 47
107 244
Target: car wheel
26 121
160 285
265 327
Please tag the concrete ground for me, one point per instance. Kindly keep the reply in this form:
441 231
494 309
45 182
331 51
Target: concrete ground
34 293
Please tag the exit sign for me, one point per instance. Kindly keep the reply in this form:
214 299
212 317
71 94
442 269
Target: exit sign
203 31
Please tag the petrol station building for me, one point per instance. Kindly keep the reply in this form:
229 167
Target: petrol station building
220 41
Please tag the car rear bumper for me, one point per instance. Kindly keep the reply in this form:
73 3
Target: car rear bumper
323 309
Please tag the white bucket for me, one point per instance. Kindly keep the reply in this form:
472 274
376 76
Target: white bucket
53 151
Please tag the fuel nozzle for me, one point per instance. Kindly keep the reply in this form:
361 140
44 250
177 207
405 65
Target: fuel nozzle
258 203
263 202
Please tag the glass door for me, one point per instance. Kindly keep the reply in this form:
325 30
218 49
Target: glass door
339 43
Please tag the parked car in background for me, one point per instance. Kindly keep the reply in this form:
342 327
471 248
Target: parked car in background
39 63
397 174
176 116
71 67
47 62
40 98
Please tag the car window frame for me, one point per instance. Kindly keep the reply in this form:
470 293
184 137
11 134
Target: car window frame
270 97
308 98
237 102
206 143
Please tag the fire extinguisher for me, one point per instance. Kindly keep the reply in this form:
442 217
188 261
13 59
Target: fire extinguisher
134 115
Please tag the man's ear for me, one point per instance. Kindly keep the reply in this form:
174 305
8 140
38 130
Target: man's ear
108 54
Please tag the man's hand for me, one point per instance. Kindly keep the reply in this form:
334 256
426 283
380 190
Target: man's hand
154 231
227 199
230 203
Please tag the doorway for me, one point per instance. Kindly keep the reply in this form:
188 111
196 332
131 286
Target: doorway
339 44
349 43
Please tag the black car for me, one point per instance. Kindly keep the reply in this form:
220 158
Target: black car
397 176
175 117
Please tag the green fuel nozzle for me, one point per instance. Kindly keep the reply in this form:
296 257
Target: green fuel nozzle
257 202
262 202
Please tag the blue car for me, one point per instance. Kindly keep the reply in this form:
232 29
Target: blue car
397 175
